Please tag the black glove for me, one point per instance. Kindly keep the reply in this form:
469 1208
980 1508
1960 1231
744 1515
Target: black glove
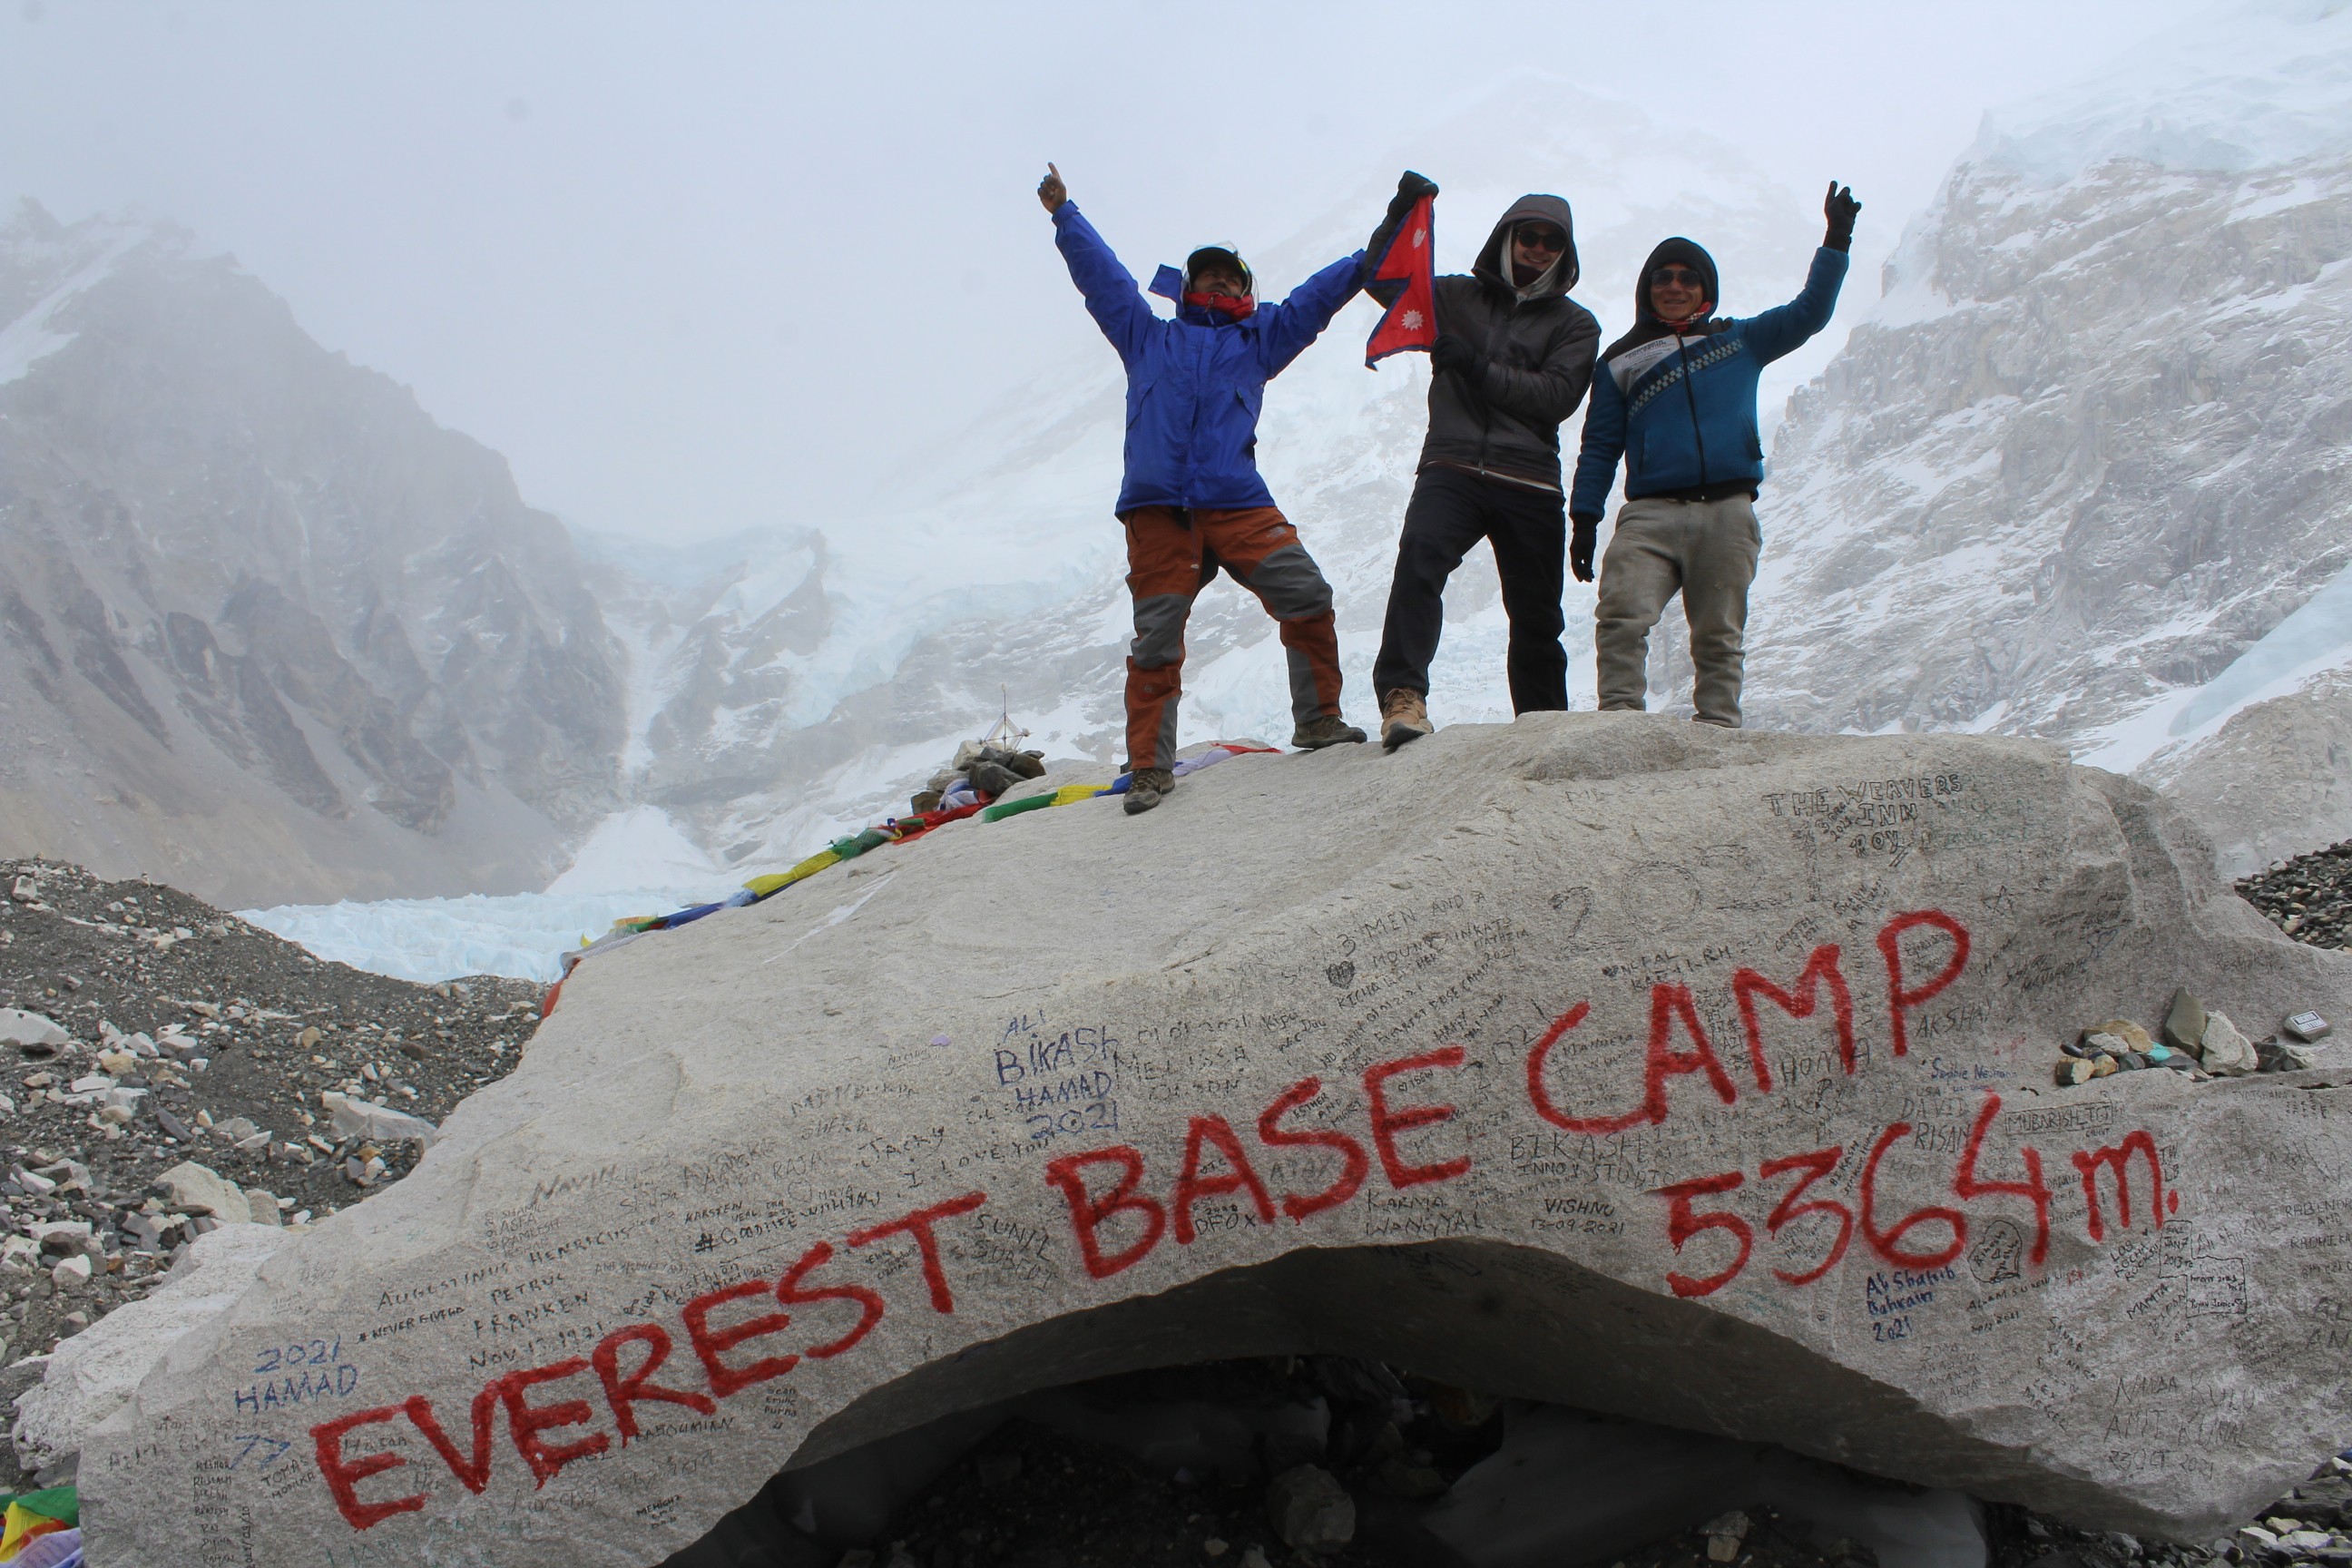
1838 206
1455 355
1579 547
1410 188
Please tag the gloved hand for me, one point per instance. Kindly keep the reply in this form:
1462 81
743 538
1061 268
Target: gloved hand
1455 355
1839 207
1579 547
1410 189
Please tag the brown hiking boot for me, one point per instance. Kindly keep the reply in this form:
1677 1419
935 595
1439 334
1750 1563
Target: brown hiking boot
1324 730
1405 716
1146 787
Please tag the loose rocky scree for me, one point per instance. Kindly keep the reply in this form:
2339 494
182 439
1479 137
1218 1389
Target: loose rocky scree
2309 898
195 1037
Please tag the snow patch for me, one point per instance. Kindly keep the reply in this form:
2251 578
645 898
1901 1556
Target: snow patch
635 851
30 338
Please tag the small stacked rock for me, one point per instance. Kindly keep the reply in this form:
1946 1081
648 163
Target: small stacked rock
982 770
2119 1045
2194 1038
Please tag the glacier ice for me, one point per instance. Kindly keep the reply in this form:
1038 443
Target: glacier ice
636 862
429 939
634 851
2316 638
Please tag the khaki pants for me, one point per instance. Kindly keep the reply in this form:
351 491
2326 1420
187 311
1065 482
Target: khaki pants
1707 552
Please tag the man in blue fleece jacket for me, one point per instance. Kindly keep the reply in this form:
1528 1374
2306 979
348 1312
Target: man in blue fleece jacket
1676 399
1192 500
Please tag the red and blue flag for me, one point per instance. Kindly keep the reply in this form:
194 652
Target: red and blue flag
1410 320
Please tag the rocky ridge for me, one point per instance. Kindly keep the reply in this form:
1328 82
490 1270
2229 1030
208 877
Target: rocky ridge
2078 469
267 631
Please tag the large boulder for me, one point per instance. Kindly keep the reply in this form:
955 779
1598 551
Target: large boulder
1608 1059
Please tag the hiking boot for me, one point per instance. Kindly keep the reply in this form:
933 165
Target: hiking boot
1324 730
1145 787
1405 716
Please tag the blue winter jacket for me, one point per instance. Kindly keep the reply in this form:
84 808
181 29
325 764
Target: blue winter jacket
1682 410
1195 385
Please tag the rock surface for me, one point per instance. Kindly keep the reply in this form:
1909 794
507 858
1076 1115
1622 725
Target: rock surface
1441 1059
90 1375
2274 781
1567 1487
1311 1509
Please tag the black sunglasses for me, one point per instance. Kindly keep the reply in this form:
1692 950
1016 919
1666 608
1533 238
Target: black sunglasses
1681 274
1541 238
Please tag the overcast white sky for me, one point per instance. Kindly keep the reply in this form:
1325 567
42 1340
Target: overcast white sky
696 268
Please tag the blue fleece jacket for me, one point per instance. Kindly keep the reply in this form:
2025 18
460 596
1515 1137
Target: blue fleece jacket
1682 410
1194 385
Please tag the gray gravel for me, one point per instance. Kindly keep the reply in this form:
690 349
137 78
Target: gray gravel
105 959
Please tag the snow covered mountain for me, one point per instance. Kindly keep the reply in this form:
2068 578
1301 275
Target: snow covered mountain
265 630
795 683
2080 473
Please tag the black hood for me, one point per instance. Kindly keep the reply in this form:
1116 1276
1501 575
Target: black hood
1492 267
1682 252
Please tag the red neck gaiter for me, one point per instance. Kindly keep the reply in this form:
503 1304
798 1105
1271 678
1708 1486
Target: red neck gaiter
1239 310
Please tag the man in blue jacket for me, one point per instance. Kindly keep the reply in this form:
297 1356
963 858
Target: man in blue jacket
1676 399
1192 499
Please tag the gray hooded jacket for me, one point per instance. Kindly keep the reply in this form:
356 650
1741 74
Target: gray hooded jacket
1537 347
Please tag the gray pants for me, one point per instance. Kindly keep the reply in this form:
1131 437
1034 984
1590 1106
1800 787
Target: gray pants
1707 550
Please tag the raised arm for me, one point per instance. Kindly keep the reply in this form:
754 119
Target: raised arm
1286 330
1112 298
1604 444
1778 331
1410 188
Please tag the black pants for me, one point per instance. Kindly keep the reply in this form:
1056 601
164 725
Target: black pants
1450 512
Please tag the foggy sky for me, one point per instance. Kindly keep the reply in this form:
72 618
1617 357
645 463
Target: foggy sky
700 268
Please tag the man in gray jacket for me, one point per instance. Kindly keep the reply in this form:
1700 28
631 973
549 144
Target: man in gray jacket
1512 360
